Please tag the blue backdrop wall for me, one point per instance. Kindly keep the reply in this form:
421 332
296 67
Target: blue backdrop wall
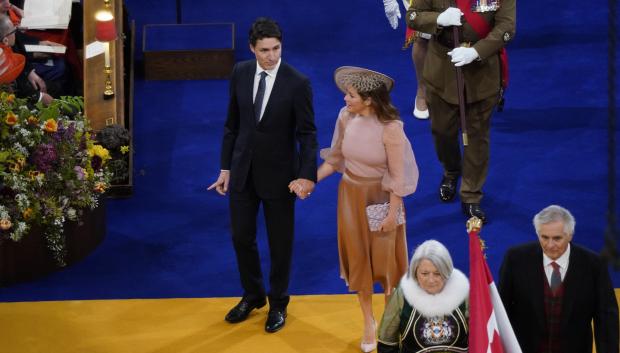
171 239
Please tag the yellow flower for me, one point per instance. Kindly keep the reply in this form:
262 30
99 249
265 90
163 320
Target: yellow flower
10 119
50 125
21 161
100 187
14 167
27 213
32 120
99 151
34 174
5 224
10 98
124 149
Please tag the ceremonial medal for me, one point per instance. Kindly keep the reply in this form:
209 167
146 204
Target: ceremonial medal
484 5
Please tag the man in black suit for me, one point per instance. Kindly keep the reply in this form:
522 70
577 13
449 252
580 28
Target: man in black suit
269 142
554 289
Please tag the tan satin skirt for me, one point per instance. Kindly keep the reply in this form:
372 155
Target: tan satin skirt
367 257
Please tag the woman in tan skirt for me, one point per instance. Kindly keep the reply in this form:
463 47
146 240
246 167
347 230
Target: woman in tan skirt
375 158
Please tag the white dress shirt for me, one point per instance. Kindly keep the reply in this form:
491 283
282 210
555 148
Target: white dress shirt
562 261
269 80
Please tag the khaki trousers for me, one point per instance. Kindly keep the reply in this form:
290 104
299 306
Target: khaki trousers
445 126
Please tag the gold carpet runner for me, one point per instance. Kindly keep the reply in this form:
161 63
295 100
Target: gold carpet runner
320 323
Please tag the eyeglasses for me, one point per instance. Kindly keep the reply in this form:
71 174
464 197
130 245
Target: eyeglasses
11 32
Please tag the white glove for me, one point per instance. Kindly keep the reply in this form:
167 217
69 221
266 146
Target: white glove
392 12
463 55
450 17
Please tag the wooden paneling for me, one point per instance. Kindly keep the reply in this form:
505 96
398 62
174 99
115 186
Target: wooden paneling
99 111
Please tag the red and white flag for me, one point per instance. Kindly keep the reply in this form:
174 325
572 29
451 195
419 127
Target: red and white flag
489 328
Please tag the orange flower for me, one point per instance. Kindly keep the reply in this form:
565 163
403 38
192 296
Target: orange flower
11 119
32 120
100 187
27 213
10 98
5 224
50 125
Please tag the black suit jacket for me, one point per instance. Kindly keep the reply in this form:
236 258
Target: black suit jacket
282 146
588 296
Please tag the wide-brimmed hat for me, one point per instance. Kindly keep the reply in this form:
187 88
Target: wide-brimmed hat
11 64
363 80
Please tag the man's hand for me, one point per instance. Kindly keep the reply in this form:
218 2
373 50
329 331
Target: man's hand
301 187
392 12
463 55
52 44
37 82
46 99
450 17
221 184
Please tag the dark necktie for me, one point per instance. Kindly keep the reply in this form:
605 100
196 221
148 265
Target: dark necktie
260 94
556 278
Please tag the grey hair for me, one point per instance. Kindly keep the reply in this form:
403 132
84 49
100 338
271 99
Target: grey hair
436 253
555 213
5 24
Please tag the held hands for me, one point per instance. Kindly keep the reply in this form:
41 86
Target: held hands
221 184
392 12
301 187
450 17
463 55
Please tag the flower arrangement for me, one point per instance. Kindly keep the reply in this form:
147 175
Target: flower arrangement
51 168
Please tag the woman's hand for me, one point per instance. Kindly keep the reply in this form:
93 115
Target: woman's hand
389 223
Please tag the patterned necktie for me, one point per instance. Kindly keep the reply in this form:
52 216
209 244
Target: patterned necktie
556 278
260 94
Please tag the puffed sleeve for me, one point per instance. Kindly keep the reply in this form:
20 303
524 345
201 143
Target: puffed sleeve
333 155
388 334
402 174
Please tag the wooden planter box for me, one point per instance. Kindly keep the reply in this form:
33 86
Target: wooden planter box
30 258
188 51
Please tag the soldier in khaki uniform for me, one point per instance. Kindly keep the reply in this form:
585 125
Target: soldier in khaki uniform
480 62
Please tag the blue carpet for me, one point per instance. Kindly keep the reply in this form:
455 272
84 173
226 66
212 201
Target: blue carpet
171 239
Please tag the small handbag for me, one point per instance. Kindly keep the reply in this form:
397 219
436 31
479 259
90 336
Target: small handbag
377 213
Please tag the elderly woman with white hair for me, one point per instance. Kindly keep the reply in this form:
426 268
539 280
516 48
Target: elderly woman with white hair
370 149
429 310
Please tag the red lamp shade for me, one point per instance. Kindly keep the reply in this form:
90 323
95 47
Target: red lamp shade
105 27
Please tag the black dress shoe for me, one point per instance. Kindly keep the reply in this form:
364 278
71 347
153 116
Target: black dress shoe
447 189
473 210
275 320
241 311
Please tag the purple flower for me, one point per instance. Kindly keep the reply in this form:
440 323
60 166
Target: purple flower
79 171
44 157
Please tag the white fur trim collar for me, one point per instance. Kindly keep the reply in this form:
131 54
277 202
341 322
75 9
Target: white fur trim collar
453 294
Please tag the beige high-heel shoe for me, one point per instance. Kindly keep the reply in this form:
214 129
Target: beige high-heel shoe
369 347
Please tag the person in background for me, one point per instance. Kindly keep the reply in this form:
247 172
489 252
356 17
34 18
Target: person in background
557 293
419 45
370 149
21 79
483 30
429 310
